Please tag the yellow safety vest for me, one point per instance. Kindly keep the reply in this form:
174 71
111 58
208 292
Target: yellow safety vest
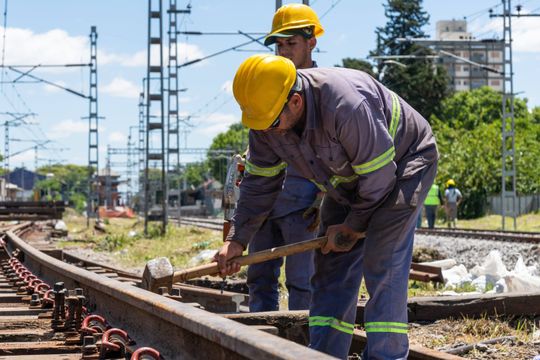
433 196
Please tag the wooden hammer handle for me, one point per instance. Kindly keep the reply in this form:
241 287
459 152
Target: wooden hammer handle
255 258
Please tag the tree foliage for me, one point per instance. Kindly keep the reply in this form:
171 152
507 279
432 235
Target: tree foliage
358 64
69 182
234 139
468 134
420 81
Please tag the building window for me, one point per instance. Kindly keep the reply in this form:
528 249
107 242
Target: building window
465 68
465 82
495 82
495 54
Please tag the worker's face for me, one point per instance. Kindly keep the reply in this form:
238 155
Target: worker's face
297 49
290 115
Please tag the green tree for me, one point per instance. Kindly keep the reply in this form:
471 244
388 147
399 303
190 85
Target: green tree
536 114
358 64
468 134
195 172
69 182
421 82
234 139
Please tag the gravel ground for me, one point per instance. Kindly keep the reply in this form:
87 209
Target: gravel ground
471 252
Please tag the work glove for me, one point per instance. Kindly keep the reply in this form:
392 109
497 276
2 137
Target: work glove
314 211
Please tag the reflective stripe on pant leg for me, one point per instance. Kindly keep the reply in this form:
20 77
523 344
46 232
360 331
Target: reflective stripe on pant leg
299 267
387 259
262 279
335 286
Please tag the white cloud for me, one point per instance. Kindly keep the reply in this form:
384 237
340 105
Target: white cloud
121 87
66 128
52 47
57 46
117 137
215 123
525 32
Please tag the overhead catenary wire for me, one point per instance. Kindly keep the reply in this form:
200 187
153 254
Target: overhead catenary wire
219 52
334 4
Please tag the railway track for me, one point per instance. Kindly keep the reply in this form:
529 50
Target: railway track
508 236
58 306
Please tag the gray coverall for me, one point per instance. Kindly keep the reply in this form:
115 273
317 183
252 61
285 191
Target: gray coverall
376 157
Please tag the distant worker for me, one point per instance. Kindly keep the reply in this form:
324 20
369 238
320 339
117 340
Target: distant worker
453 198
295 215
375 157
432 202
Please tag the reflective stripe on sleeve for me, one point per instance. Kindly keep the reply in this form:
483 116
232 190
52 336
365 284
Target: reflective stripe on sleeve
331 322
267 172
376 163
396 114
336 179
386 327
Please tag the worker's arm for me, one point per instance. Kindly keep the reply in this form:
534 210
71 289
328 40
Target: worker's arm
262 183
370 149
459 197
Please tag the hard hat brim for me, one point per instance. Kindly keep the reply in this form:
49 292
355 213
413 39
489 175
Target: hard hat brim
271 39
255 123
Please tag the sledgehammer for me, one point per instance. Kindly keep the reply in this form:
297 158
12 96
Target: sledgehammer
159 272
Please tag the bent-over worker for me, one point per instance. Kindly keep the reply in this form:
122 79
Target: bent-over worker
375 157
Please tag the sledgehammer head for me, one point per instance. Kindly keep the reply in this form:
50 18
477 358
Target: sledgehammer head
157 273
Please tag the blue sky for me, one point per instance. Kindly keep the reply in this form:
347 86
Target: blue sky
56 32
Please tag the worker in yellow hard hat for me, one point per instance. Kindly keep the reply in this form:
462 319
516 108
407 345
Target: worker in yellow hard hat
452 197
373 155
295 214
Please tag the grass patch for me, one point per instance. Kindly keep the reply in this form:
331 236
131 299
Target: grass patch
125 241
527 222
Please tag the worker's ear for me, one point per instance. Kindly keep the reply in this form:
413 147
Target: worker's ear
296 103
312 43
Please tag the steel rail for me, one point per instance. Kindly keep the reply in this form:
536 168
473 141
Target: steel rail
508 236
178 330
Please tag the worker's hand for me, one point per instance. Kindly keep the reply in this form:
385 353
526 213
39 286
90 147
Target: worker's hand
341 238
229 250
314 211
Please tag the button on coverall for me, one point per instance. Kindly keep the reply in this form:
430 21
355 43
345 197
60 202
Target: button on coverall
376 158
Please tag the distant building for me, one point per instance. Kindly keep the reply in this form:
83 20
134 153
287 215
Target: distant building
109 181
452 37
25 180
8 191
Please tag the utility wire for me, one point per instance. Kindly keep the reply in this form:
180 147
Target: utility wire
219 52
483 11
334 4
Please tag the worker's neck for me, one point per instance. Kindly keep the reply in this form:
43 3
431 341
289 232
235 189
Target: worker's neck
300 125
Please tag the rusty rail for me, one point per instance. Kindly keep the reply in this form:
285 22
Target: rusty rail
177 330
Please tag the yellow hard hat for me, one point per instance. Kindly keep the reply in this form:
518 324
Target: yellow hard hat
293 19
261 86
450 182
